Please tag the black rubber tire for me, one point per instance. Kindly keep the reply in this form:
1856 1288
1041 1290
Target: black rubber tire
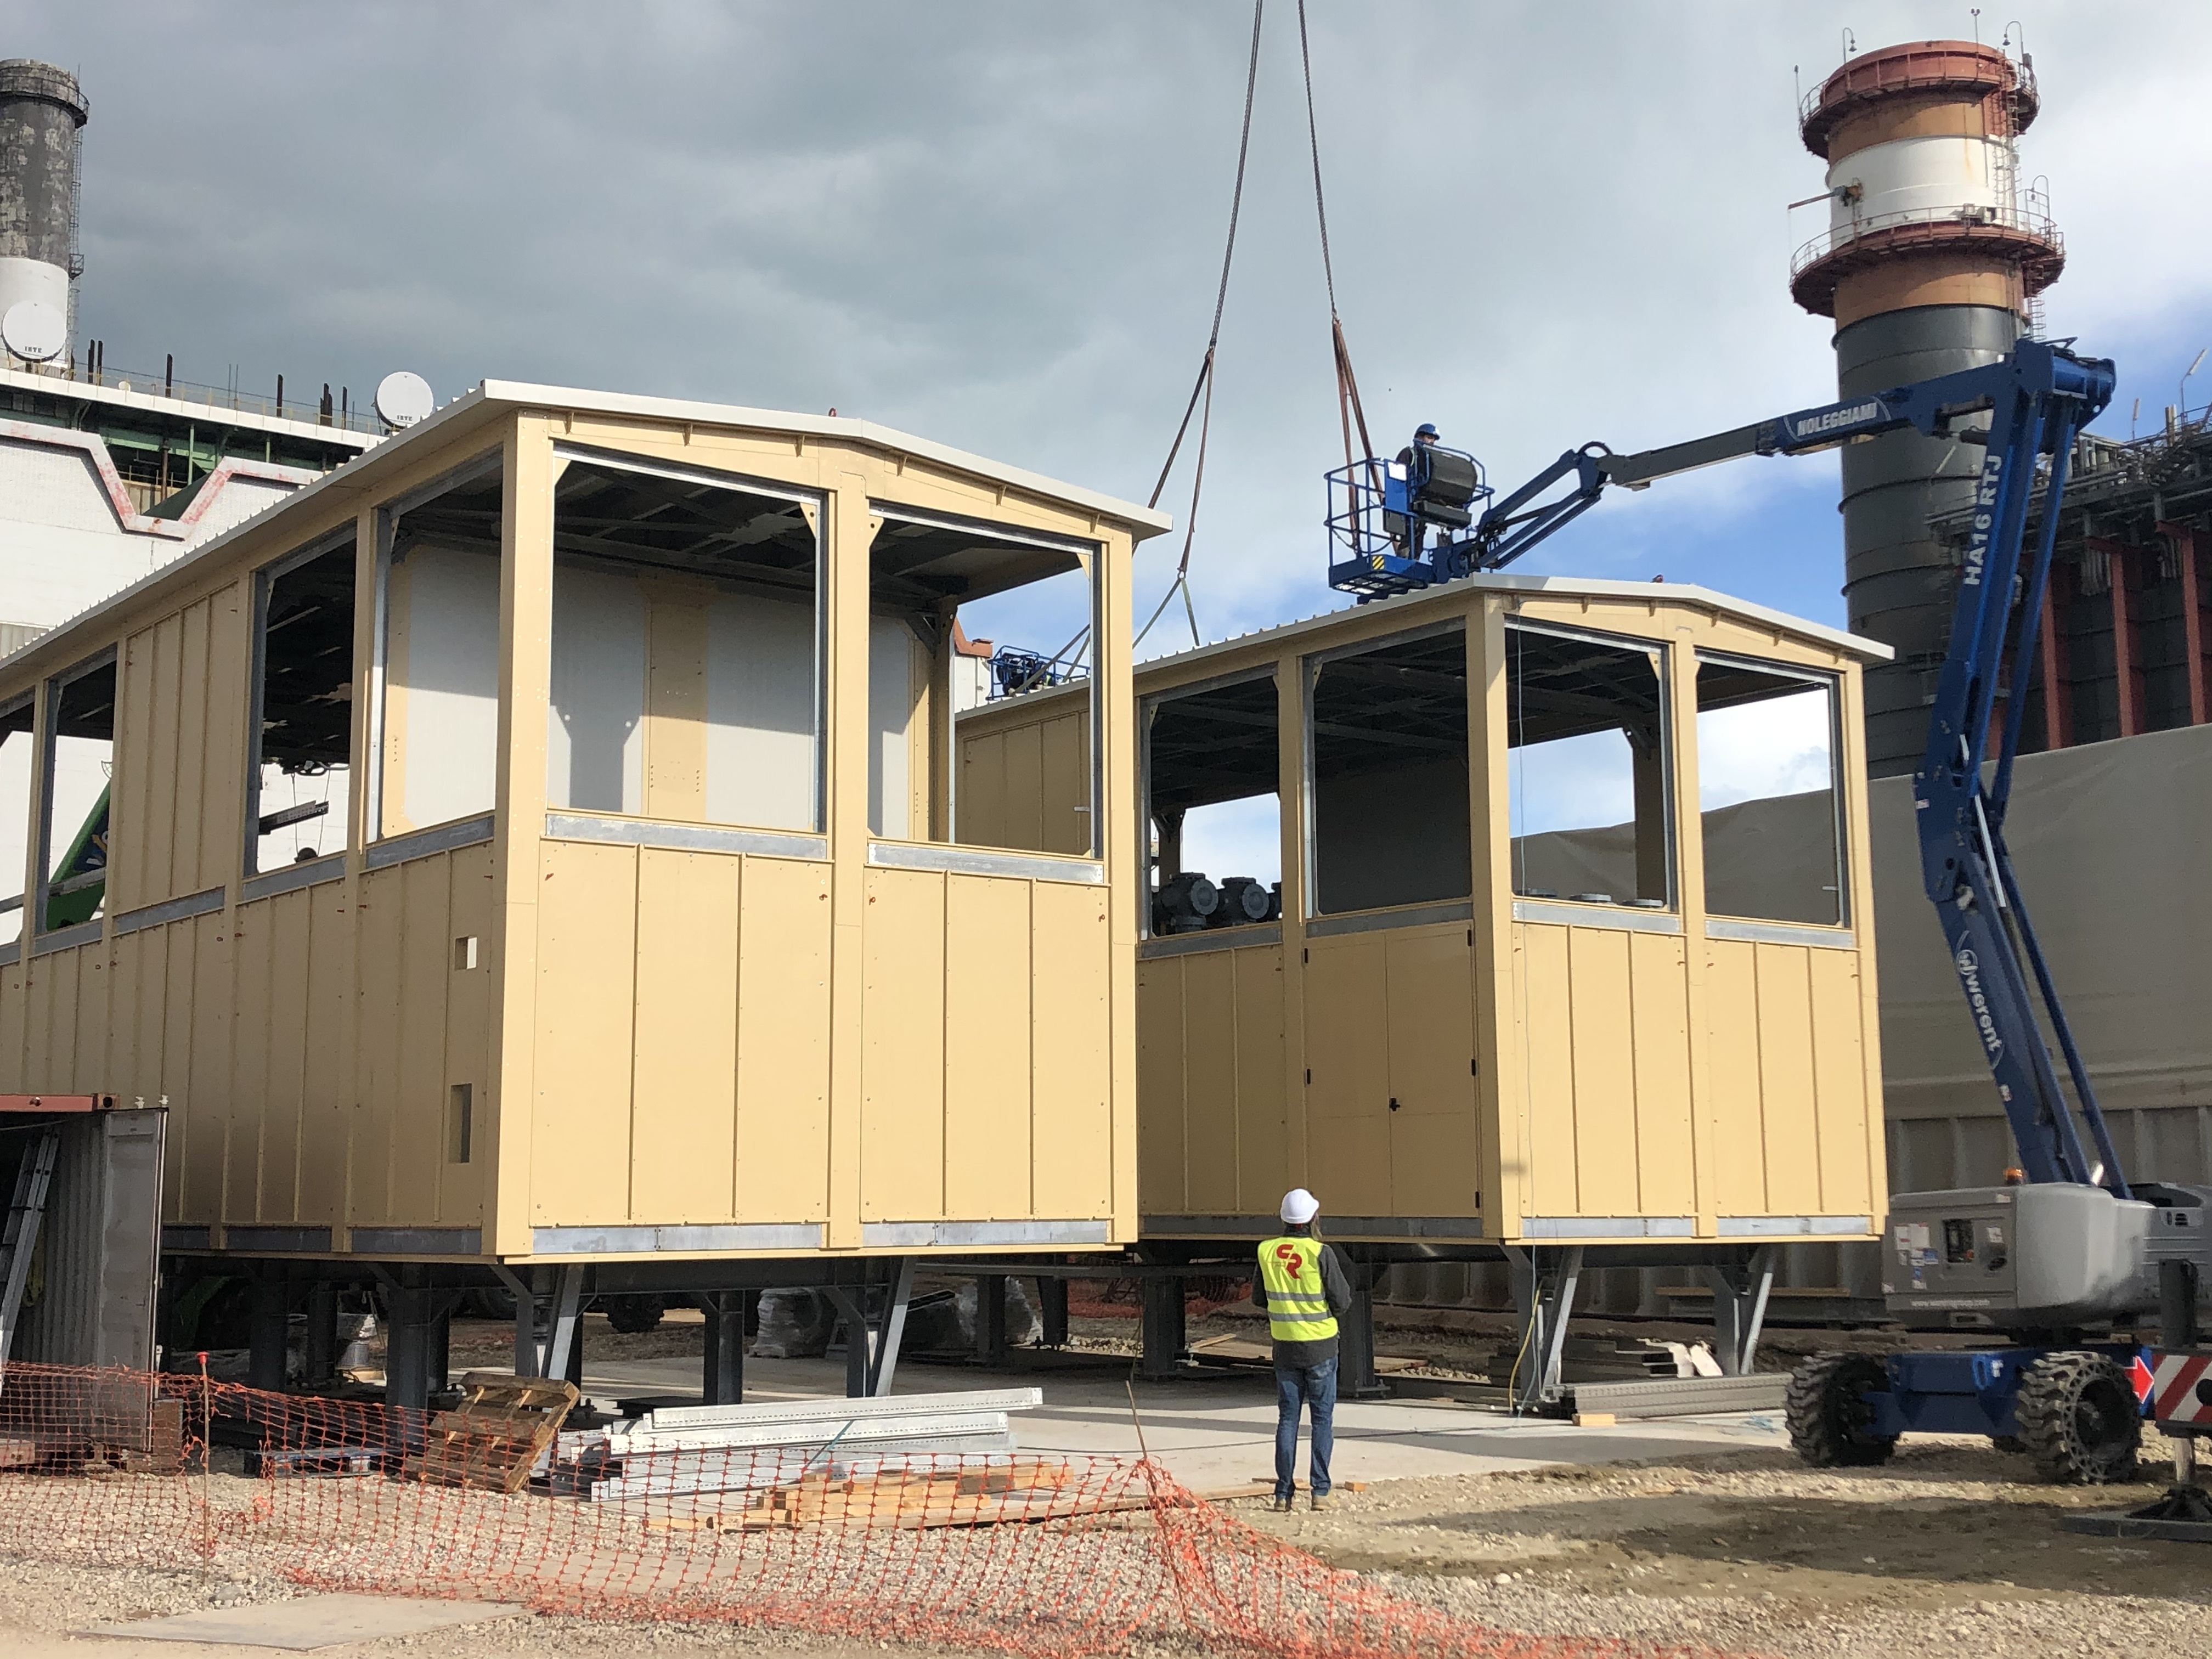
2079 1419
634 1314
1830 1425
2009 1443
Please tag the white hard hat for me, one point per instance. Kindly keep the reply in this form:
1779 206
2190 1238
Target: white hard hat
1299 1206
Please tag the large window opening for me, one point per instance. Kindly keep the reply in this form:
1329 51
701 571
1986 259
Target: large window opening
81 765
1387 730
300 777
1212 783
686 648
1767 795
939 584
1587 768
16 744
439 720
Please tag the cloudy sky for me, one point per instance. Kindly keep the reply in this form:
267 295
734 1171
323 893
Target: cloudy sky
999 226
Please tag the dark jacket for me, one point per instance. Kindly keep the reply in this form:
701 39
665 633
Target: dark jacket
1289 1355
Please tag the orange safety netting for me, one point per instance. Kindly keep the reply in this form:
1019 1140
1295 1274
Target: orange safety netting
1050 1559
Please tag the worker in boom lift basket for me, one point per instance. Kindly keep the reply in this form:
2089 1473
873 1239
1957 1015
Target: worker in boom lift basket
1414 457
1302 1288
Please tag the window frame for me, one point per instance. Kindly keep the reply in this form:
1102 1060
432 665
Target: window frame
20 902
743 483
1310 670
265 578
1662 652
1833 680
1148 705
49 739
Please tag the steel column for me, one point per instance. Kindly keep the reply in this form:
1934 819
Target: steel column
2127 665
1739 1297
1161 1327
1356 1372
2184 537
272 1307
724 1380
321 1351
2058 691
991 1319
1052 1310
1544 1283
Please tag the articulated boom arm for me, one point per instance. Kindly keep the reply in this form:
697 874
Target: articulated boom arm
2038 400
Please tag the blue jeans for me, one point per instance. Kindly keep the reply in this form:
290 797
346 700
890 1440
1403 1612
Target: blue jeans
1313 1386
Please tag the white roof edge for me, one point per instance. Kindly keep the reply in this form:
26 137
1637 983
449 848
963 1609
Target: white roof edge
156 403
1858 645
525 392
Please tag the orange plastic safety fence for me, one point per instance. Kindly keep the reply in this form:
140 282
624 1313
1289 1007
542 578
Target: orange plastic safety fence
1047 1558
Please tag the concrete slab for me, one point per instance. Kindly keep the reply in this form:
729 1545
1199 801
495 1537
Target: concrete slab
1216 1432
306 1623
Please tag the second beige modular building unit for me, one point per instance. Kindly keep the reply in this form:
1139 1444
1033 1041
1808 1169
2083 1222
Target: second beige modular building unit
532 842
1575 929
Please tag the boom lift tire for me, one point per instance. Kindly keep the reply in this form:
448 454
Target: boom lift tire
2078 1420
1830 1424
634 1313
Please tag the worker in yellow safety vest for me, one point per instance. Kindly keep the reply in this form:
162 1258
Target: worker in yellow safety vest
1302 1288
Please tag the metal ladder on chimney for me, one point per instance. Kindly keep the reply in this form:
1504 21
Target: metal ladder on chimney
20 1238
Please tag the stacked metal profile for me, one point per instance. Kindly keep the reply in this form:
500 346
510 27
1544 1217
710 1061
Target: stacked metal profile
690 1450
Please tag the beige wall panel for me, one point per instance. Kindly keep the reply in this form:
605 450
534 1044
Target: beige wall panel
247 1104
1348 1103
95 990
287 919
468 1035
133 1073
980 804
1026 802
1430 974
1839 1074
685 1119
987 1056
15 1001
676 707
783 1042
1210 1081
383 909
902 1064
1064 785
131 822
222 794
419 1111
1263 1127
1735 1110
586 964
38 988
329 1090
1163 1168
205 1046
1665 1151
1605 1072
163 762
66 974
186 810
1072 1046
1547 1063
1786 1083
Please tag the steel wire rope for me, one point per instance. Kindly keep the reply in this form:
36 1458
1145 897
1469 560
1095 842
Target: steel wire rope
1348 409
1201 390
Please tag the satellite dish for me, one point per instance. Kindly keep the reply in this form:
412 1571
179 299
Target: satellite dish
34 331
403 398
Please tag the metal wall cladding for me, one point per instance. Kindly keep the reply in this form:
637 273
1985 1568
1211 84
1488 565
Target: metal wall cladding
97 1244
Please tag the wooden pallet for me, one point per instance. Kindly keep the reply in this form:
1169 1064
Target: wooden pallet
988 1496
493 1439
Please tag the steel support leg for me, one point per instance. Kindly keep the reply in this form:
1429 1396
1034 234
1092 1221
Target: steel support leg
272 1307
1544 1293
871 1344
724 1382
1356 1375
991 1320
1161 1326
407 1356
1739 1297
438 1343
321 1355
547 1309
1052 1311
883 1364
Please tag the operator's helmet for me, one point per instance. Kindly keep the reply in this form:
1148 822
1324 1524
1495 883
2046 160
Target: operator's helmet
1425 432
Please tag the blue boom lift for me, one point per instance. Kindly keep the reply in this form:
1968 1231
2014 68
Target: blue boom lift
2051 1262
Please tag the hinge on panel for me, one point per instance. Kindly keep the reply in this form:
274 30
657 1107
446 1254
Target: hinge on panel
1470 936
1310 1074
1472 1070
1306 955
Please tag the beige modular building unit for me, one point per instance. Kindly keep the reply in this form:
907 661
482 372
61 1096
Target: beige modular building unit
1575 929
533 843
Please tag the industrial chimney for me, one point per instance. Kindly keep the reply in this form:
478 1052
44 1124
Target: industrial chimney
40 112
1932 259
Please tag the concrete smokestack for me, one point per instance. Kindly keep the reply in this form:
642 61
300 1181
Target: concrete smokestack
41 111
1931 259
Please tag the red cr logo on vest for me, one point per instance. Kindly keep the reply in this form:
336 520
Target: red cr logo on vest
1289 1253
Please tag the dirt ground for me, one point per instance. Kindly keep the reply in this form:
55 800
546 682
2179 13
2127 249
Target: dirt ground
1950 1546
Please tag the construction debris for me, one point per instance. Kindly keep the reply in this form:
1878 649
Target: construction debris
495 1435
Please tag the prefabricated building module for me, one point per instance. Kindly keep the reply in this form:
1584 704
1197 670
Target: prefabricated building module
531 844
1573 940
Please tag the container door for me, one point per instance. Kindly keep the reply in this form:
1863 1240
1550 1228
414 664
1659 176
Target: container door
1348 1081
1430 975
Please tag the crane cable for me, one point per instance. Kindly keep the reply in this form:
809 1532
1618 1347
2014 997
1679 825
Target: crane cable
1201 390
1347 385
